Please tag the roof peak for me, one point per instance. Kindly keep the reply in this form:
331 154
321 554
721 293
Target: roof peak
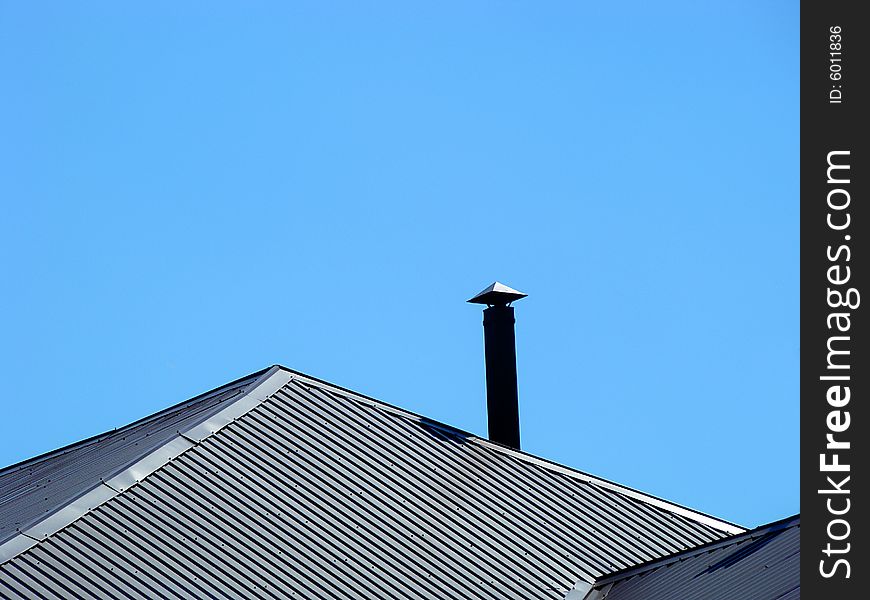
237 384
497 294
47 495
70 492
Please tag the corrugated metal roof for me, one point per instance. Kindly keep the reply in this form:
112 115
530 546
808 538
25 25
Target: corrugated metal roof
35 488
763 564
300 488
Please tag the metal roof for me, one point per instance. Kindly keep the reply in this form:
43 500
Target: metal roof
33 489
762 564
290 486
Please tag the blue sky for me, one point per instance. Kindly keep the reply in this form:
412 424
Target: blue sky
194 191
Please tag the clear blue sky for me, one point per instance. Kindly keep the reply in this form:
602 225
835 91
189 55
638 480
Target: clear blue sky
194 191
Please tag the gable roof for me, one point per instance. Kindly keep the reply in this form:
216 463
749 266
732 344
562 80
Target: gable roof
762 564
281 483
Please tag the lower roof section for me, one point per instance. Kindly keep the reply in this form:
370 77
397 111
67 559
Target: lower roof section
299 487
762 564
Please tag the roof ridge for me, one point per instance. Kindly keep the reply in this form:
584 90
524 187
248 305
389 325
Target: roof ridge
357 462
699 516
264 383
760 531
33 460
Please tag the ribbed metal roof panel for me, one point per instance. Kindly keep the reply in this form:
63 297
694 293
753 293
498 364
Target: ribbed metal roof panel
763 564
37 487
317 492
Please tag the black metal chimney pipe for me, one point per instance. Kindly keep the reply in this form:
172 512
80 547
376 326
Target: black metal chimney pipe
500 349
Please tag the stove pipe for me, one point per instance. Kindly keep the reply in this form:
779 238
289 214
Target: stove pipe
500 349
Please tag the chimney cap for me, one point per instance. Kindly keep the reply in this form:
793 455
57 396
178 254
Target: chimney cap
497 294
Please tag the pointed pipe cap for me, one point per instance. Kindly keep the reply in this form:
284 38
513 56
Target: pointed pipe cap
498 294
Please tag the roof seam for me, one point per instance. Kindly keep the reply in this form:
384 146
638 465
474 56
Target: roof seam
189 439
110 487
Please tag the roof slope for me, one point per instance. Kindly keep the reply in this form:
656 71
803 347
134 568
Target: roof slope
298 487
762 564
